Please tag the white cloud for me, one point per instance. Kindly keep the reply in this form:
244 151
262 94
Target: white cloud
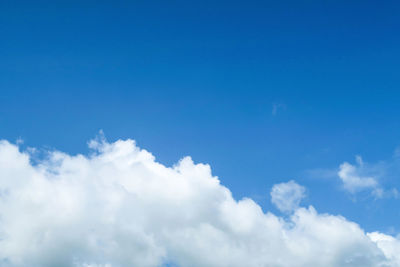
362 177
389 245
118 207
353 180
287 196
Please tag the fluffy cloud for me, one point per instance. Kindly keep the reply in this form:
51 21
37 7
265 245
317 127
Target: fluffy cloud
118 207
361 177
287 196
353 180
389 245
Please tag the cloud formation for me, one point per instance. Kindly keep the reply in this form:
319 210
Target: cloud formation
363 177
287 196
353 179
118 207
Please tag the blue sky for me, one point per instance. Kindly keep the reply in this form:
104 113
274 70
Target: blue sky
263 91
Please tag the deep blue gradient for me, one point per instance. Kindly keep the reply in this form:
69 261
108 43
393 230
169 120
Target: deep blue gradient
201 78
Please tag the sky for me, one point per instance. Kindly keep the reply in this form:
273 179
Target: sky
292 104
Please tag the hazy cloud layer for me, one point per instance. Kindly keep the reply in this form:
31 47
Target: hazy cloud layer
118 207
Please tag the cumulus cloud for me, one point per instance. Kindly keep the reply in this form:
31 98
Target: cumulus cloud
287 196
389 245
119 207
362 177
353 179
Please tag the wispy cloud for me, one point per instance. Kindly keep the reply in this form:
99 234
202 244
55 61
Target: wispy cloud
276 107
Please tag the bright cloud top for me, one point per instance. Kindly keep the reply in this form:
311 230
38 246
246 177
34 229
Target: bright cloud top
118 207
287 196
